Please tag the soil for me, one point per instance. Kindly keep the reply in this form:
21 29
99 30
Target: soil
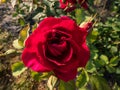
9 31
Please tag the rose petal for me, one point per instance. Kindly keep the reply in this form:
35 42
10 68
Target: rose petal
47 24
62 60
80 57
32 61
81 54
78 34
57 49
62 5
66 76
85 54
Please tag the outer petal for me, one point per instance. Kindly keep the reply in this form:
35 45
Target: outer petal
81 54
85 54
66 75
33 62
47 24
63 5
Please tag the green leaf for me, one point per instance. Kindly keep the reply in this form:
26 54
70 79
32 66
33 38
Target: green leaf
34 27
93 35
82 79
21 21
10 51
94 55
114 61
80 15
52 82
104 58
113 49
116 87
90 67
116 28
18 68
99 83
38 76
99 63
91 2
17 45
24 33
118 70
35 75
110 69
67 85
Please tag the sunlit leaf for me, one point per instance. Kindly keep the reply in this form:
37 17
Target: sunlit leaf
39 76
99 63
17 45
36 75
113 49
90 67
110 69
118 70
30 7
21 21
24 33
93 35
18 68
13 2
94 55
82 79
10 51
104 58
67 85
34 27
114 61
79 15
116 28
116 87
53 82
99 83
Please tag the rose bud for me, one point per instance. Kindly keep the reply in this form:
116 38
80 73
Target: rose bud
87 25
69 5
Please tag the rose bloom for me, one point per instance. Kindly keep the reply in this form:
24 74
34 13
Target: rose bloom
69 5
57 45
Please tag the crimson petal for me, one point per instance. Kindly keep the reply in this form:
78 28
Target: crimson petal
32 61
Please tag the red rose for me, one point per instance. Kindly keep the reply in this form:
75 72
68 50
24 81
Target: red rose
57 45
69 5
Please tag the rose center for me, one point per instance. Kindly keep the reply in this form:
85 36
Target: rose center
56 47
